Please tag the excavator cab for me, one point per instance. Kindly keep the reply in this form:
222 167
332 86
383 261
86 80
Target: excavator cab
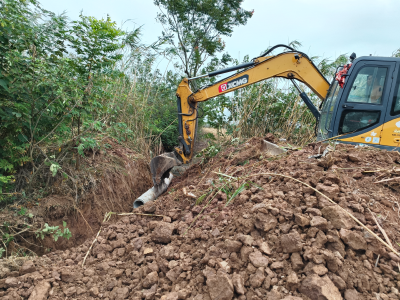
366 109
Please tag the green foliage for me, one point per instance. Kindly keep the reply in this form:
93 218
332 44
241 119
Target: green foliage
22 211
86 143
209 152
67 85
193 28
55 231
96 43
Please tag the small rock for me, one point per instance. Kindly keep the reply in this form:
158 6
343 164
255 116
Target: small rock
118 273
162 233
27 267
257 279
150 279
94 291
220 287
394 257
337 217
301 220
264 247
183 294
170 296
274 294
148 251
150 293
215 232
137 243
265 222
319 222
11 282
233 246
297 262
351 295
172 264
167 252
245 252
277 265
353 239
149 208
224 265
238 283
338 281
246 239
68 276
314 211
291 242
70 291
258 259
292 281
316 287
319 270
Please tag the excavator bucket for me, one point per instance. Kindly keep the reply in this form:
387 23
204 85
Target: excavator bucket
161 165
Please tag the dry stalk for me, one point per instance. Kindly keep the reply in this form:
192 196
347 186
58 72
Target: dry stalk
84 218
385 180
149 215
383 233
107 217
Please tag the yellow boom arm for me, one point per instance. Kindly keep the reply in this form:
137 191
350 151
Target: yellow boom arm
290 65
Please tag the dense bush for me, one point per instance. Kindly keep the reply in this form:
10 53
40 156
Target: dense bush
66 85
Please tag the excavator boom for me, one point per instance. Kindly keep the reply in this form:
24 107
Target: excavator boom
295 66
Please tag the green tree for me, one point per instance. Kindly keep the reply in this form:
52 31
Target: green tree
194 28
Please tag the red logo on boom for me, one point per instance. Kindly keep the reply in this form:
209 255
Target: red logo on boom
223 87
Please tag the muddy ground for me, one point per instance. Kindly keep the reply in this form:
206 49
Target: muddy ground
278 238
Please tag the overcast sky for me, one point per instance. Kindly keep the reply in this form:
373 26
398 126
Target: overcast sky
325 28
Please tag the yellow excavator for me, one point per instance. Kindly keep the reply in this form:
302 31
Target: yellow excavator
360 106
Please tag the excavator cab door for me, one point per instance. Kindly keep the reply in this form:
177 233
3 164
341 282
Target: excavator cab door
362 103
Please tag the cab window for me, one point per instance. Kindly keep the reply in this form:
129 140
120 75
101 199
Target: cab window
368 85
396 98
353 121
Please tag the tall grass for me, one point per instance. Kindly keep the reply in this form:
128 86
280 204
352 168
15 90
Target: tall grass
272 107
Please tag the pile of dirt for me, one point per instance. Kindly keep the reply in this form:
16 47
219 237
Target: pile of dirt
277 239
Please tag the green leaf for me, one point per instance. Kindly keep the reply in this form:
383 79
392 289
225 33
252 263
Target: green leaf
237 192
3 84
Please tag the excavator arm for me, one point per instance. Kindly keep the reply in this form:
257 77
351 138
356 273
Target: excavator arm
295 66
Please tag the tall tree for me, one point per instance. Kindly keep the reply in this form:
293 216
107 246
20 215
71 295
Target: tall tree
194 28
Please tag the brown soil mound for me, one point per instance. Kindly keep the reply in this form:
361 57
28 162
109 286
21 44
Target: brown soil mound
277 239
